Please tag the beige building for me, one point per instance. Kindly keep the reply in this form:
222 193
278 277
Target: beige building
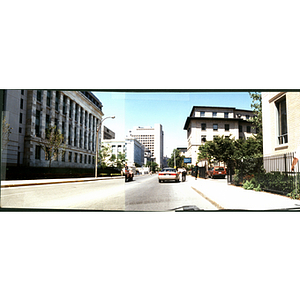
206 122
281 119
30 112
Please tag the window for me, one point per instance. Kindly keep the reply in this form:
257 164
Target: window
76 112
37 123
64 105
69 137
70 156
57 100
282 121
247 117
85 159
47 121
39 95
49 98
22 92
70 110
63 156
202 113
81 158
203 126
75 158
75 137
56 124
203 138
47 154
226 115
37 152
63 128
80 139
20 129
215 127
240 128
214 114
89 159
21 118
21 103
226 127
248 129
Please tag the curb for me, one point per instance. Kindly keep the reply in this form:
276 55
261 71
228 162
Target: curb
57 182
208 199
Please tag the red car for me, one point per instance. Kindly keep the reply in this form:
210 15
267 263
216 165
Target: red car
216 171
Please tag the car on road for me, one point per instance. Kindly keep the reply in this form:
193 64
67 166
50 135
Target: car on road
216 171
168 174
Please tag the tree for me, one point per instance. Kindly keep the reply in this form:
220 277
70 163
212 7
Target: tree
53 143
104 156
178 159
6 131
152 165
220 149
256 105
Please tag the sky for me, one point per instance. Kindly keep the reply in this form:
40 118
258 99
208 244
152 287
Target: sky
168 109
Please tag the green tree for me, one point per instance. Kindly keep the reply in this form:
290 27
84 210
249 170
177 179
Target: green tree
178 159
104 156
220 149
152 165
53 144
256 105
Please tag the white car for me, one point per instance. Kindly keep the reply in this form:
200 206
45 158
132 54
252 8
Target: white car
168 174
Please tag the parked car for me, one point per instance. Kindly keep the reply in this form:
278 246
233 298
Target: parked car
216 171
168 174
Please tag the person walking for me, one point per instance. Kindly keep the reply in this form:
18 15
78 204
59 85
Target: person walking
196 172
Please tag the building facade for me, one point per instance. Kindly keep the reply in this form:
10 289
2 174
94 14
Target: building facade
206 122
107 134
153 139
134 151
30 112
280 118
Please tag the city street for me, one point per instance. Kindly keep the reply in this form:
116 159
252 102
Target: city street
144 193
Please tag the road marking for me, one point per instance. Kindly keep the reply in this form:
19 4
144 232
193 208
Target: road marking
206 198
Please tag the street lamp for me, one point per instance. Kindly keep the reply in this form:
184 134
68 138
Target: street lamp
97 137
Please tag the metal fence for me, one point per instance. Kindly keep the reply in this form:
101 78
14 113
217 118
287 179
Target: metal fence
272 173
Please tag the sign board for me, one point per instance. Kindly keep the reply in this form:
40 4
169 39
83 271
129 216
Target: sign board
187 160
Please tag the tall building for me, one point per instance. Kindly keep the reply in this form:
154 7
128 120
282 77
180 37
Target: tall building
206 122
153 139
30 112
107 134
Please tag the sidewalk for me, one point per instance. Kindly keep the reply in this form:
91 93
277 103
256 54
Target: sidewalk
225 196
15 183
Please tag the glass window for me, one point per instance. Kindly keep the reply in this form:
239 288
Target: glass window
70 156
215 127
39 95
37 123
226 127
214 114
37 152
248 129
49 98
226 115
57 100
282 121
21 103
203 126
202 113
21 118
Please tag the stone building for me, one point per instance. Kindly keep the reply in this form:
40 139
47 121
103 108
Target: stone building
206 122
30 112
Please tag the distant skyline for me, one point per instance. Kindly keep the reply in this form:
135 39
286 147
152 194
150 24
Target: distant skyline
169 109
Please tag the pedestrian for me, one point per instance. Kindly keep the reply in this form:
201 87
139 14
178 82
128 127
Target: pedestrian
196 172
296 158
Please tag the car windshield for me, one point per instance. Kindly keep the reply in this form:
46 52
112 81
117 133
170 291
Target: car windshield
168 170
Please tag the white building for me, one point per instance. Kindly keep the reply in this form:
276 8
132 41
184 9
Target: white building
206 122
132 148
153 139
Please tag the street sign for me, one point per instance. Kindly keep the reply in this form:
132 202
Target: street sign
187 160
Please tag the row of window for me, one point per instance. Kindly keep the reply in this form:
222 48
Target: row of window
72 156
75 110
215 114
226 127
83 143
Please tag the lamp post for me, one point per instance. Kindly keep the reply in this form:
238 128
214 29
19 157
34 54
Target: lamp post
97 146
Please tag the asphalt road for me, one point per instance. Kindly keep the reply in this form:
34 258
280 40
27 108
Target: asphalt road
144 193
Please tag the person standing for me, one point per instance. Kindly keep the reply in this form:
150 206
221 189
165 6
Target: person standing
296 158
196 172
